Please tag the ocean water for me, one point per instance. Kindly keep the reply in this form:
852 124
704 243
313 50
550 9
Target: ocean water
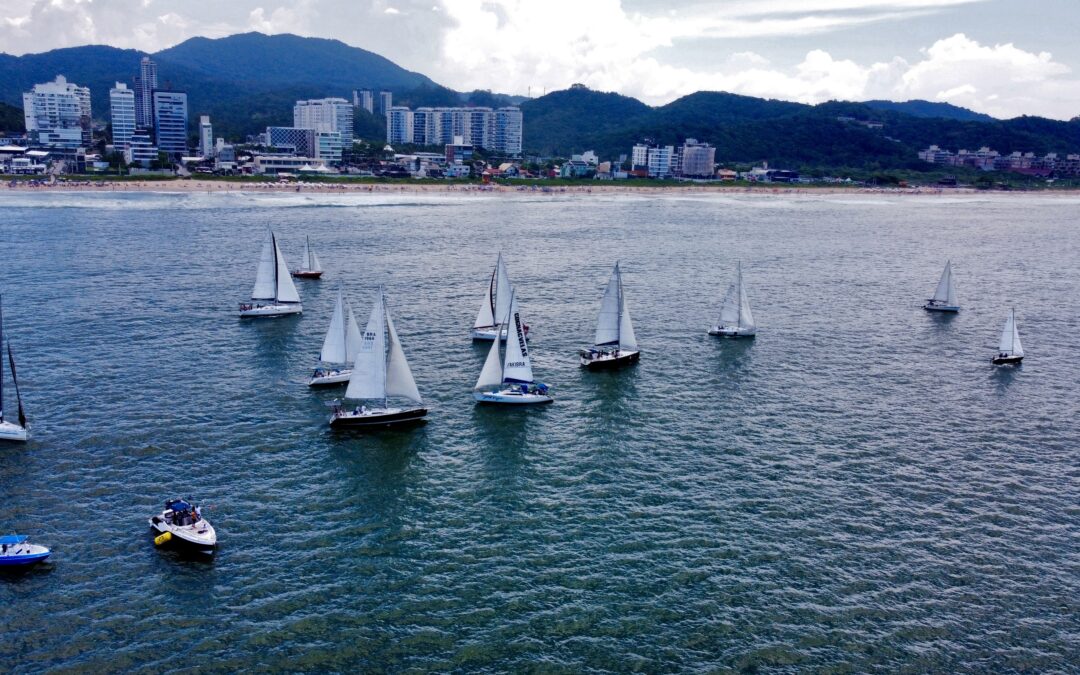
855 490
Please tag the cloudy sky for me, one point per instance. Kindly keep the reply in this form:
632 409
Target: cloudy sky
1002 57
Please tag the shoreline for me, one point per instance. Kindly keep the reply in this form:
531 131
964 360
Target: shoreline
184 186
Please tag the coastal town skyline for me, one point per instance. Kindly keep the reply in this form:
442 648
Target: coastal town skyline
978 54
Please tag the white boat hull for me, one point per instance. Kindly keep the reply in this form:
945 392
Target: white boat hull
268 311
728 332
488 334
334 377
510 397
9 431
200 535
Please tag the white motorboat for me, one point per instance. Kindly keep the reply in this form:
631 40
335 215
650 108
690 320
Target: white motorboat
736 319
495 306
944 299
17 551
340 346
510 380
10 431
380 372
1010 351
310 268
274 293
615 344
182 524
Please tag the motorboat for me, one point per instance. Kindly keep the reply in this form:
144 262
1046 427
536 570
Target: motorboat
181 524
16 550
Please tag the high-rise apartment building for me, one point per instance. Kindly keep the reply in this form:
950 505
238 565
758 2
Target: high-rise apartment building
145 84
122 115
499 131
386 101
57 113
364 98
697 160
326 114
325 145
206 137
170 122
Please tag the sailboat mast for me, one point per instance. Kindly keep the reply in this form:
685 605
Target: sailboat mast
618 329
273 243
738 290
1 359
1012 337
386 355
493 289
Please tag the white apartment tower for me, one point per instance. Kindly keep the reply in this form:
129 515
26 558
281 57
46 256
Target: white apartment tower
326 114
206 137
122 115
499 130
364 98
57 113
145 84
399 125
386 101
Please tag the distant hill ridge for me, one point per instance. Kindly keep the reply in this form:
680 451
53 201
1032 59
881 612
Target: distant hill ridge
249 81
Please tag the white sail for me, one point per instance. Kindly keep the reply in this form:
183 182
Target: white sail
946 288
399 379
314 264
516 366
265 288
504 293
1010 337
334 349
305 259
491 373
286 290
484 317
368 379
353 337
746 317
729 311
607 326
627 339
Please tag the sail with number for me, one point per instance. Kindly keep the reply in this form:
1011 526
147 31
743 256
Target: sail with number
517 367
1010 337
342 340
380 369
945 293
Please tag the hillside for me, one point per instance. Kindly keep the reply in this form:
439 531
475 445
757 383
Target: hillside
573 120
11 119
918 108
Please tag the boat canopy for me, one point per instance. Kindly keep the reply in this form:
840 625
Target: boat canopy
12 539
177 505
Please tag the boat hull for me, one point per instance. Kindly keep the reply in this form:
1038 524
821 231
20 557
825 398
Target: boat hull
377 418
610 361
9 431
31 555
950 309
1006 360
510 397
488 334
191 537
306 274
335 378
731 333
270 311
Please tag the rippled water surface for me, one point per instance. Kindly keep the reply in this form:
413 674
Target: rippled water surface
855 490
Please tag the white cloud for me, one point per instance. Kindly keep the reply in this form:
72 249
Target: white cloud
391 10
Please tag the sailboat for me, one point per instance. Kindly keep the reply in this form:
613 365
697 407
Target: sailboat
496 303
379 373
944 299
340 346
309 264
736 319
10 431
1009 348
510 380
274 292
615 344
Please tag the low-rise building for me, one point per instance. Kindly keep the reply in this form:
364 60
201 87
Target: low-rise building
280 163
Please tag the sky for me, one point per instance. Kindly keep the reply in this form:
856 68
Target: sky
1001 57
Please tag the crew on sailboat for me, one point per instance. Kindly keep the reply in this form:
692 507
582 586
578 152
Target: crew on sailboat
944 299
379 373
341 344
1010 351
736 319
10 431
309 264
495 306
274 292
510 380
615 344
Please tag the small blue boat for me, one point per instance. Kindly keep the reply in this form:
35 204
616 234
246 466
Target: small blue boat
16 550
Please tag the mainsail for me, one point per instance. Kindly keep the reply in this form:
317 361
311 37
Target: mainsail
496 302
342 339
1010 337
265 280
286 290
516 365
946 288
735 312
607 326
380 369
310 261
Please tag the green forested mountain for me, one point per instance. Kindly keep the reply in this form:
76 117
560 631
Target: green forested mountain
918 108
11 119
